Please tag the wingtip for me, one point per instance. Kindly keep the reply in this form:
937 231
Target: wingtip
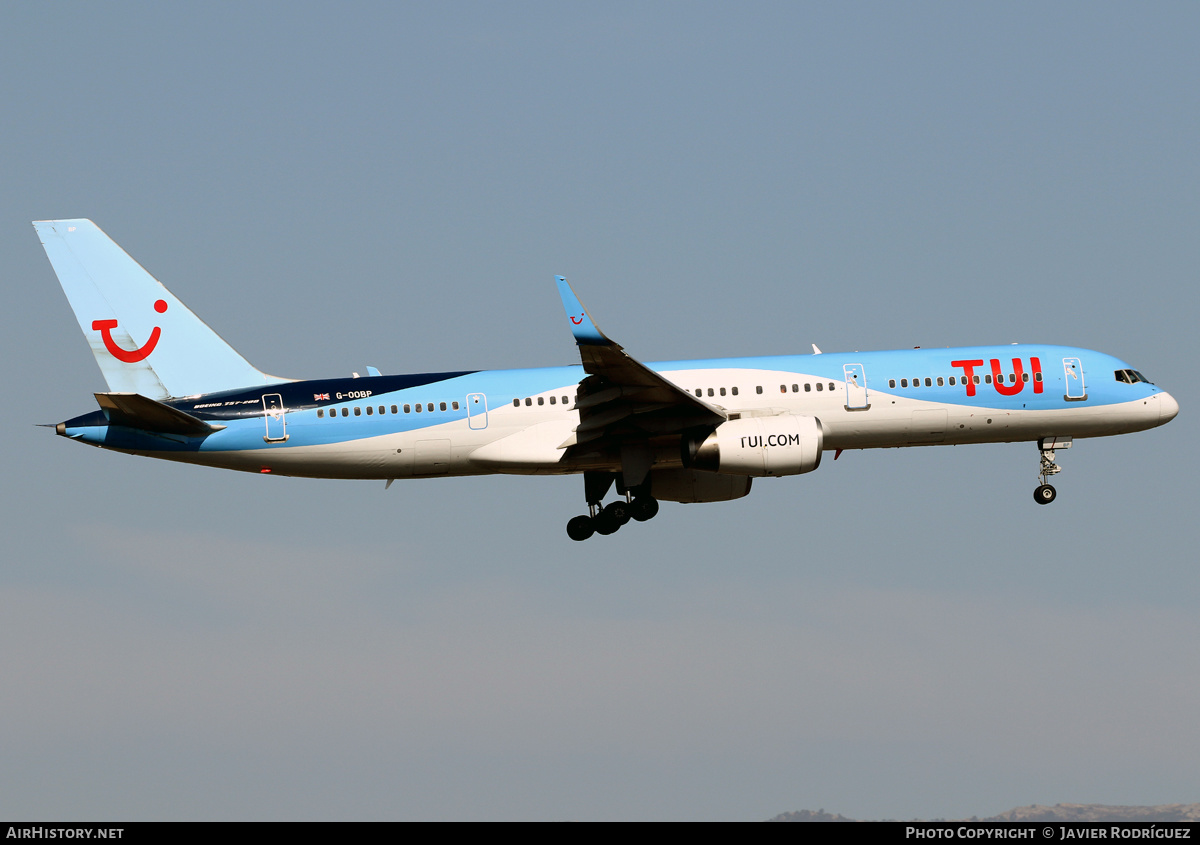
583 327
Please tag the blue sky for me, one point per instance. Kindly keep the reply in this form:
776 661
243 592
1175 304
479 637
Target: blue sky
900 634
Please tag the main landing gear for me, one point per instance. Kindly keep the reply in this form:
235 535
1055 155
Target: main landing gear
638 505
1045 494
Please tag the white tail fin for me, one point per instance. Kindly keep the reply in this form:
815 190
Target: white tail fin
145 340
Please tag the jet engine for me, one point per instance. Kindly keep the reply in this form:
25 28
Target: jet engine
788 444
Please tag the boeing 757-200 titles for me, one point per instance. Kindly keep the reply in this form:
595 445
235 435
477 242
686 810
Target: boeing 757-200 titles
680 431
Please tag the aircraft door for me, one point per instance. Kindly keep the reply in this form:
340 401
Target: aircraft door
1073 375
476 411
856 387
273 411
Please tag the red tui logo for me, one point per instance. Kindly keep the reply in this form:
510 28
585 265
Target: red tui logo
129 356
1016 380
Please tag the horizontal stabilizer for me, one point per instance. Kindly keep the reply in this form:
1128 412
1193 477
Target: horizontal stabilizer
136 411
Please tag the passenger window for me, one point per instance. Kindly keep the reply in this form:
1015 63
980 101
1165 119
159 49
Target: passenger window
916 382
734 390
795 388
429 407
976 379
370 410
940 382
552 398
1036 377
454 406
831 386
541 400
699 392
929 382
710 391
357 411
1012 378
987 379
395 410
783 388
819 386
808 387
952 382
345 412
758 389
1025 377
442 406
904 382
891 382
408 409
564 400
722 391
320 413
528 402
418 407
516 403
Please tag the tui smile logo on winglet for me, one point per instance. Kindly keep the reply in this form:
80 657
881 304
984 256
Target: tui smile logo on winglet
105 328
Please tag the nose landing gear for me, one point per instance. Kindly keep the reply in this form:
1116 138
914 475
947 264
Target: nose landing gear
1045 493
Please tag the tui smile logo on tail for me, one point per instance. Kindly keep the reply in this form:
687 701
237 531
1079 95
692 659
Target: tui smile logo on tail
105 328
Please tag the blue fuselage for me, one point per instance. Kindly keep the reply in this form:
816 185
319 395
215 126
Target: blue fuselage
432 424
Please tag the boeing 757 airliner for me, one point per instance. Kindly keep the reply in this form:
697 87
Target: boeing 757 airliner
679 431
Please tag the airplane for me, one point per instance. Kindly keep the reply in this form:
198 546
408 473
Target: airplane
678 431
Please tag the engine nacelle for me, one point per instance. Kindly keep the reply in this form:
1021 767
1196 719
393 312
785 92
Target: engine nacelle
696 485
788 444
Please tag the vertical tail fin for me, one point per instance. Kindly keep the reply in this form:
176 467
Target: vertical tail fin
145 340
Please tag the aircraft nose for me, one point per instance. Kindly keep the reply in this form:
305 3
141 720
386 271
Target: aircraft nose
1167 407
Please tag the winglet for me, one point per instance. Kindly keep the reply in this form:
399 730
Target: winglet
585 331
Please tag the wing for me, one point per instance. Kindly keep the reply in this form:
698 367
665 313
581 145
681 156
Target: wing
621 399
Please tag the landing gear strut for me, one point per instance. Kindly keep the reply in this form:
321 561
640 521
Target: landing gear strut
1045 493
607 519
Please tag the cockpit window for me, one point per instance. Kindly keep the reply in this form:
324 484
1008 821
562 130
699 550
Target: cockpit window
1130 377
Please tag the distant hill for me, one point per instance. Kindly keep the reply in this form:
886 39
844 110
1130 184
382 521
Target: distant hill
1044 813
1100 813
810 816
